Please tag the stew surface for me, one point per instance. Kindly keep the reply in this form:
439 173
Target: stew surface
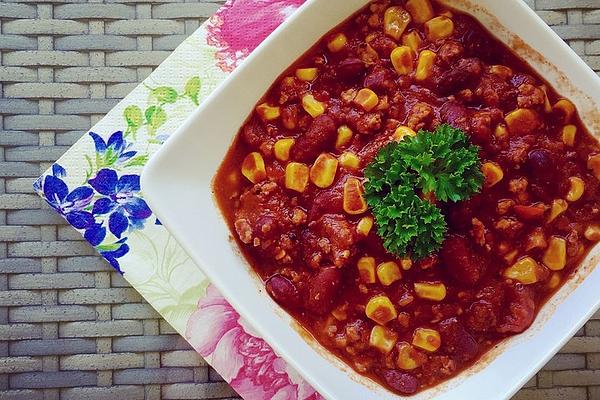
291 189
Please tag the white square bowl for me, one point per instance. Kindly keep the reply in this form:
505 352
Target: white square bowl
177 183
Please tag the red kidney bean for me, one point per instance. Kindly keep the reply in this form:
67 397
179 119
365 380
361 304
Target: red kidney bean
322 290
283 291
400 381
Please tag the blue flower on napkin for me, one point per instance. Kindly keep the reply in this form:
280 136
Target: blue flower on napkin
122 202
113 151
70 204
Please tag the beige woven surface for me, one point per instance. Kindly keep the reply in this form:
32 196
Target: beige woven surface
70 328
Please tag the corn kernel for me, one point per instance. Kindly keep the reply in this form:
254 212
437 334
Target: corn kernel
412 40
354 201
402 132
522 121
501 132
306 74
420 10
395 21
592 232
312 105
364 226
565 108
406 263
439 28
381 310
367 99
554 280
558 207
555 256
337 43
492 173
388 273
344 135
282 148
427 339
322 173
425 65
524 270
409 358
267 112
402 60
502 71
296 176
568 135
366 269
253 167
593 164
547 105
382 339
349 160
430 291
576 189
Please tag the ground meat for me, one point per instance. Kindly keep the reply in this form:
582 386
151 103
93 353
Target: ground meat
509 227
383 45
292 89
320 135
481 316
494 91
521 310
254 133
457 341
380 80
420 116
530 96
450 52
462 262
329 239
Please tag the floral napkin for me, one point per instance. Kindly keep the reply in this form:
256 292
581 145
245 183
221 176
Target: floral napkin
95 186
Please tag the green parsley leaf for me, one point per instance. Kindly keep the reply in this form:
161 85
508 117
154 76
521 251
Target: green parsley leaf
444 163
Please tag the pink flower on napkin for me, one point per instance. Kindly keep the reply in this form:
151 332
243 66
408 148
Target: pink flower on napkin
239 26
245 361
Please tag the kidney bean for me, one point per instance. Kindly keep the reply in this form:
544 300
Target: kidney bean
350 69
461 261
402 382
320 135
283 291
457 341
322 290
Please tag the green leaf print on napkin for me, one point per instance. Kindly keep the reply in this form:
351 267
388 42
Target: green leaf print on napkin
134 118
165 94
192 88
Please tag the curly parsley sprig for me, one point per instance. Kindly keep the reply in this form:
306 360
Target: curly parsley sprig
444 163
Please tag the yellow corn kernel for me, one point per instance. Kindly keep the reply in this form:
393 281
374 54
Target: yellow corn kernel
296 176
323 171
382 339
427 339
568 135
439 28
337 43
492 173
306 74
431 291
502 71
349 160
592 232
501 132
576 189
402 132
381 310
555 256
521 121
412 40
402 60
395 21
366 269
558 207
593 164
282 148
524 270
367 99
388 273
267 112
354 201
565 108
406 263
344 135
364 226
425 65
554 280
409 358
253 167
420 10
312 105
